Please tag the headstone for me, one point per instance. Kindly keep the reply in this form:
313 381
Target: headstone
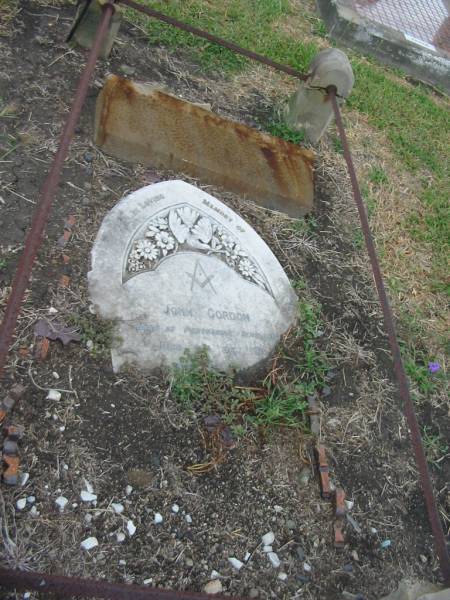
310 108
176 269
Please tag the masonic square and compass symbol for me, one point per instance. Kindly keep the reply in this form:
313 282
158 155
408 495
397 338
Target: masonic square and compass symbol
200 278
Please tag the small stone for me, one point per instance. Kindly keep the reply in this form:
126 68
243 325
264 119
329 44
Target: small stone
61 502
348 568
117 508
235 563
158 518
214 574
88 156
267 549
89 543
54 395
87 496
55 375
385 544
268 538
188 519
300 553
247 556
62 428
127 70
290 524
189 562
89 345
34 511
373 531
304 477
213 587
273 557
131 528
282 576
26 595
147 581
349 504
278 508
21 503
128 490
31 499
423 558
120 537
24 478
355 556
88 486
175 508
122 562
52 310
88 519
307 567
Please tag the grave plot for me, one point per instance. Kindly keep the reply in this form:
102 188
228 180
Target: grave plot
191 478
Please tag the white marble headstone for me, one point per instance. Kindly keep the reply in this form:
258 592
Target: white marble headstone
176 269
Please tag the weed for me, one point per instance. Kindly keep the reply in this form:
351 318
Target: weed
282 406
337 144
310 363
100 333
3 263
434 445
279 129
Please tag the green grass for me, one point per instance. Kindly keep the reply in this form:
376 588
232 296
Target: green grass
91 329
435 446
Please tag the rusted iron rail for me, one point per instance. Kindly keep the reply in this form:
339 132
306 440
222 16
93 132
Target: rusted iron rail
402 380
35 234
151 12
68 587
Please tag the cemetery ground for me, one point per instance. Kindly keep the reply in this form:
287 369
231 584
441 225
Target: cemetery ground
148 432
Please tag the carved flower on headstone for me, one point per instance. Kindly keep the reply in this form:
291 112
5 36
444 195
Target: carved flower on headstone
164 241
146 250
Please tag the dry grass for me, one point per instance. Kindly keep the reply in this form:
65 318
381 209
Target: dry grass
8 11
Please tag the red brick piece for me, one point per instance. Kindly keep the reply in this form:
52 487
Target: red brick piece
339 541
11 472
340 504
324 472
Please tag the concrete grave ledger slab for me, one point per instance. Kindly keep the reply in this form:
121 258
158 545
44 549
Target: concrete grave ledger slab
177 269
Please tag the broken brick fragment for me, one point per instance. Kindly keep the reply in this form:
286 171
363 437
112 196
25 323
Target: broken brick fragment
11 471
324 472
339 541
340 504
41 348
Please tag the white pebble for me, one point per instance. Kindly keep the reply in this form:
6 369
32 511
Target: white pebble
89 543
158 518
307 567
24 478
247 556
26 595
373 530
175 508
52 310
88 519
122 562
128 490
268 539
349 504
267 549
214 574
87 496
117 507
120 537
31 499
273 557
213 587
62 428
65 467
235 563
34 511
147 581
54 395
74 504
55 375
61 502
188 518
282 576
89 345
131 528
21 503
278 508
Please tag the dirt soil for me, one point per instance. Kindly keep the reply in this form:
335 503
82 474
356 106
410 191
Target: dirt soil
126 430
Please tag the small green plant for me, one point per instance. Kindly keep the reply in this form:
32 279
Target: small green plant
377 176
311 362
3 263
278 128
92 330
434 445
282 406
337 144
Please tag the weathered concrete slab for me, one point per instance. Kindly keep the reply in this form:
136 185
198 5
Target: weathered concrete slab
177 269
140 123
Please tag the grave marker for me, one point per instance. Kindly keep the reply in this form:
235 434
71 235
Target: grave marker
177 269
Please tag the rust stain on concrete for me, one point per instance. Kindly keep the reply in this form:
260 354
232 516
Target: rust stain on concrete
140 123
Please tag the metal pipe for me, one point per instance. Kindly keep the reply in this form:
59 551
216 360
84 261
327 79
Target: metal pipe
402 380
214 39
68 587
35 234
